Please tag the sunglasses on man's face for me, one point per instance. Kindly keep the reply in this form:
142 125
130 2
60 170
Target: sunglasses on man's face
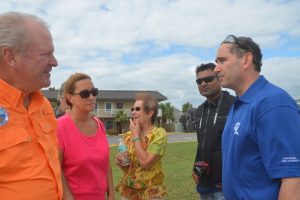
207 79
233 40
86 93
136 109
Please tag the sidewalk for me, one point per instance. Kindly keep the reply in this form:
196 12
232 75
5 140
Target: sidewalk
113 140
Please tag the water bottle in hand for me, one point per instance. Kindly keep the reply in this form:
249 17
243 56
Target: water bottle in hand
123 149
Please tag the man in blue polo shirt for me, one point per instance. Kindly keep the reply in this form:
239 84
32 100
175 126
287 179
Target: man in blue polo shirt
260 143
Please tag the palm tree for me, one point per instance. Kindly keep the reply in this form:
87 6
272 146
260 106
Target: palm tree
186 107
167 113
121 117
185 118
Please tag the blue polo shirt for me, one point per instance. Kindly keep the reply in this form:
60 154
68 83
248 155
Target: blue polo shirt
260 143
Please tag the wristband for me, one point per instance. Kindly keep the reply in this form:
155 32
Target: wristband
136 139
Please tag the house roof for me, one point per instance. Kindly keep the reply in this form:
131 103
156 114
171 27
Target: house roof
111 94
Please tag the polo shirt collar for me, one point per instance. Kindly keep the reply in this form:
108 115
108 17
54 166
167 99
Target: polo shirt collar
14 96
250 94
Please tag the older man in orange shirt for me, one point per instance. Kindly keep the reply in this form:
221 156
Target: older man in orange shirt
29 166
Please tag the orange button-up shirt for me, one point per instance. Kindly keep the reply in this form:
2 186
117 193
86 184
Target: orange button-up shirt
29 165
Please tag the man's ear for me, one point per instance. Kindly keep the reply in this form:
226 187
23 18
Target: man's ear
8 54
248 60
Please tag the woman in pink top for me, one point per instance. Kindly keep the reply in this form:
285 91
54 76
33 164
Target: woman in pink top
84 149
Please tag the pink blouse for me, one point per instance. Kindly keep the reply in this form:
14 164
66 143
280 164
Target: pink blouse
85 160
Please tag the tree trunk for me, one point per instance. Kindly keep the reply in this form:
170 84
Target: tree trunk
120 128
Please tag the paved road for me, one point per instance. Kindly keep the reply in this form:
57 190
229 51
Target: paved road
172 137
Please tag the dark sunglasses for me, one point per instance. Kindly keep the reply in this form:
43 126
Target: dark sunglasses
86 93
232 39
206 79
136 109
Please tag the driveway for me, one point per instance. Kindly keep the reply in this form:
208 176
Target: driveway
113 140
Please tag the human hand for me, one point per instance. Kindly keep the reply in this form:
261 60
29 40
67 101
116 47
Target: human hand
120 159
134 128
195 177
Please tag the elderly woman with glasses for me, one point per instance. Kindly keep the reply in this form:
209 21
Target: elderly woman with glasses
84 149
143 178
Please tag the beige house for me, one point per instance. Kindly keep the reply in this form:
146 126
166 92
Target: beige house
109 103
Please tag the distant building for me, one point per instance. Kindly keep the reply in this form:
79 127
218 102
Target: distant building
187 120
109 103
178 127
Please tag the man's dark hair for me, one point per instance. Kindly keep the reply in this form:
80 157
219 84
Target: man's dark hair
204 67
248 45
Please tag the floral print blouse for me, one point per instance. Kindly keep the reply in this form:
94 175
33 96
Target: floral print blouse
142 184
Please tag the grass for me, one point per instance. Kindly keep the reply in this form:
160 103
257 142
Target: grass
177 166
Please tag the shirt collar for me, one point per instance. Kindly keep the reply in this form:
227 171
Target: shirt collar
250 94
14 96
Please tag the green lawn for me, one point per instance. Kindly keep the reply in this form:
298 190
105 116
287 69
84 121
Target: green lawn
177 163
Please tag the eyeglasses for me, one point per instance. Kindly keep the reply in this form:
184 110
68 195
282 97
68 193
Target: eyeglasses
232 39
207 79
86 93
136 109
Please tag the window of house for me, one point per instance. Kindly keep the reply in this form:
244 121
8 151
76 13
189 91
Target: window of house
119 105
108 107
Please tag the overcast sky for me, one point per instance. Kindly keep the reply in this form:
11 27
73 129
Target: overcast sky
156 44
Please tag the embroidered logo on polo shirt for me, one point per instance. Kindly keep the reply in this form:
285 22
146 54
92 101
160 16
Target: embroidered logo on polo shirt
236 128
3 116
290 159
